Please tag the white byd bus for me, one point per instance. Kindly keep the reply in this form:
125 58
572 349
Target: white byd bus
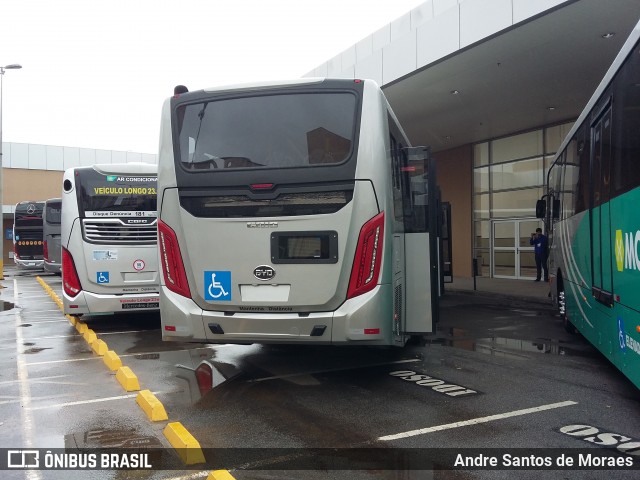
109 239
294 213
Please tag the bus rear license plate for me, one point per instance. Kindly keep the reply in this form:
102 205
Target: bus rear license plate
127 306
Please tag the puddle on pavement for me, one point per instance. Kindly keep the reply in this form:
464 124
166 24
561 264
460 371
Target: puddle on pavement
25 325
508 347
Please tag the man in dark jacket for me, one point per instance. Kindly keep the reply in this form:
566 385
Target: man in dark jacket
541 249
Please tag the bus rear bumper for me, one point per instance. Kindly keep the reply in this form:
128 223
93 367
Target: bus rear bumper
29 264
365 320
52 267
87 303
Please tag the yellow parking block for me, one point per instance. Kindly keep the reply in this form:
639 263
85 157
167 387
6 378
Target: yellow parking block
186 445
99 347
112 360
90 336
220 475
151 406
72 319
81 327
127 379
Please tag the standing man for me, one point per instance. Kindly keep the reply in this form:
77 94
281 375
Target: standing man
541 250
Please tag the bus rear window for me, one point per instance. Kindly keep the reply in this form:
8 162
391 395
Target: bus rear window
271 131
53 213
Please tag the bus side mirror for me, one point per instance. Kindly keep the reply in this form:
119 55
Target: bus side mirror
541 208
556 209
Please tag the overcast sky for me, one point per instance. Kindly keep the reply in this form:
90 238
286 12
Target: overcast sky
96 72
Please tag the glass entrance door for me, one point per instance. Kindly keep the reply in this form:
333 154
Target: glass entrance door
512 255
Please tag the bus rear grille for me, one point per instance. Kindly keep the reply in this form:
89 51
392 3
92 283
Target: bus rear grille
115 231
283 205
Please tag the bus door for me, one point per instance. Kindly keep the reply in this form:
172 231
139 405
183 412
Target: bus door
421 243
601 252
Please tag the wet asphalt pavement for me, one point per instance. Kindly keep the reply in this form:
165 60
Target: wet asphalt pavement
499 374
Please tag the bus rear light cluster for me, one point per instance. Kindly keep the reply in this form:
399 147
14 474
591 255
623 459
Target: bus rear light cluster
175 277
70 280
45 251
368 258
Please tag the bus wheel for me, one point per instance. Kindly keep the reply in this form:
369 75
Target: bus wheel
562 308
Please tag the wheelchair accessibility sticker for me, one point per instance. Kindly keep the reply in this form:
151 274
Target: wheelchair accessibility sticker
217 285
102 277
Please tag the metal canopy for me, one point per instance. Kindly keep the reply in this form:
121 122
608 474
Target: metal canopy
537 73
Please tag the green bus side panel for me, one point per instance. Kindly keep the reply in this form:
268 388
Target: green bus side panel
615 330
625 260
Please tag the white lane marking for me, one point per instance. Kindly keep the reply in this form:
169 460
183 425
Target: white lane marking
76 334
341 369
42 313
95 400
25 391
38 322
84 402
68 360
190 476
34 380
476 421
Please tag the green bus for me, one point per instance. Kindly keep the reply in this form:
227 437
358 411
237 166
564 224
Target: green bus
593 219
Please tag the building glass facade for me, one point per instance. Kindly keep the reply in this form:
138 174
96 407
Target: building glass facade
508 177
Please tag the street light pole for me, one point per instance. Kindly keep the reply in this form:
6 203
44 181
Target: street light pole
13 66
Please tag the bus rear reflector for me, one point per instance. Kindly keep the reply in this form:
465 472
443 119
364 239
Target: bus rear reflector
70 280
372 331
170 328
45 251
366 263
175 277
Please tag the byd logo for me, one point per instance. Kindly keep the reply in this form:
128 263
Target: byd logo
627 251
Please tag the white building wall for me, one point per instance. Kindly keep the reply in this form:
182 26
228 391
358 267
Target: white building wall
427 33
58 158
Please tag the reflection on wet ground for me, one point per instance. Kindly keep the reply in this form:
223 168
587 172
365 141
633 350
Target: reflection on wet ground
509 347
6 305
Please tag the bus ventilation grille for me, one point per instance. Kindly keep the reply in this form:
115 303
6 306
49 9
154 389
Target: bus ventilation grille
115 231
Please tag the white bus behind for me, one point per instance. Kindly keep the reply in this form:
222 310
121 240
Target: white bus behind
51 228
109 239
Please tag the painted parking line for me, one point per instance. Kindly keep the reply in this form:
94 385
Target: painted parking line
24 388
49 337
70 360
84 402
477 421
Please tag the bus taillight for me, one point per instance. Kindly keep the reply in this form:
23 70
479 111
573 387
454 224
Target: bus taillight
175 277
366 263
70 279
45 250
